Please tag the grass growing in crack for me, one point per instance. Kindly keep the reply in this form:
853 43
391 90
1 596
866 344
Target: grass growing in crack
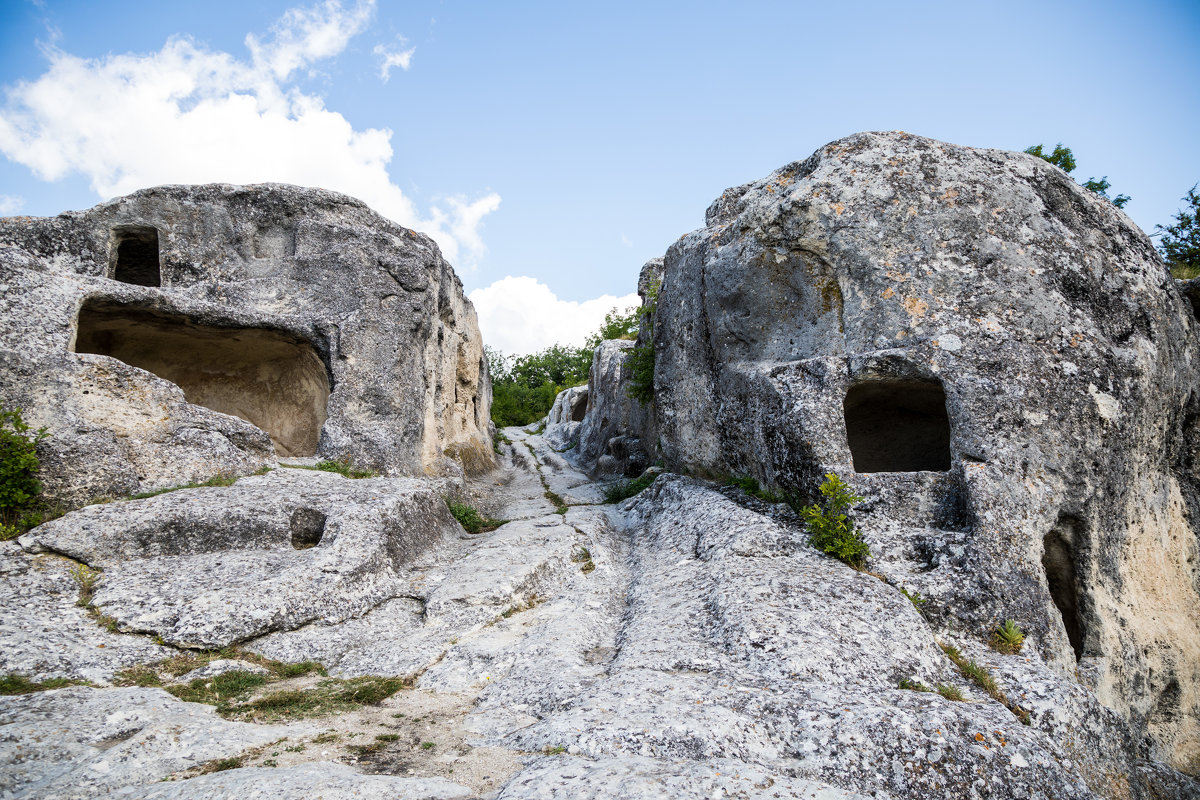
553 751
222 764
427 745
750 486
981 677
623 490
19 684
916 599
342 467
950 692
174 667
216 480
1008 638
913 686
583 557
560 505
471 520
328 696
86 579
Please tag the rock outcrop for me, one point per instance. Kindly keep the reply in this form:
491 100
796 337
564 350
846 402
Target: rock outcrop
618 434
565 417
186 331
999 360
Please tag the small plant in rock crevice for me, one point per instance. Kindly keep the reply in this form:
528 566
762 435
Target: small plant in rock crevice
1007 638
624 489
86 579
830 527
640 361
470 518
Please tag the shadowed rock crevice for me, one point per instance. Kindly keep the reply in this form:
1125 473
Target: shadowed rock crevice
134 255
307 526
898 426
1058 559
274 381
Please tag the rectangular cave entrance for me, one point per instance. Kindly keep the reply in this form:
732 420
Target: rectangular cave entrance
898 426
133 251
274 381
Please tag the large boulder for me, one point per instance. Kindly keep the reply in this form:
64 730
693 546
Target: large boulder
185 331
565 417
999 361
618 435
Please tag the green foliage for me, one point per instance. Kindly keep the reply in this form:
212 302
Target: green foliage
86 579
19 485
344 468
916 599
471 520
830 528
216 480
1064 159
517 405
983 679
1180 243
750 486
640 360
623 490
19 684
913 686
616 326
556 499
1008 638
950 692
1101 188
1060 157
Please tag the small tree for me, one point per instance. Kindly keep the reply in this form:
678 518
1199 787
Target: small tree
1180 243
19 485
641 358
1064 159
830 528
617 325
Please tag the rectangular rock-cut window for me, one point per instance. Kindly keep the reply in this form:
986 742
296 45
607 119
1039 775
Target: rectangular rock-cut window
133 251
898 426
268 378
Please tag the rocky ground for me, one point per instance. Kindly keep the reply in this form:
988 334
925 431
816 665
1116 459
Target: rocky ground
686 643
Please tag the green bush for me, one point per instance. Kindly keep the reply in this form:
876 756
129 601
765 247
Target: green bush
641 358
19 485
830 528
623 490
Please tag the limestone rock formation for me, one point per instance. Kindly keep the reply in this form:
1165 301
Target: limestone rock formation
185 331
994 356
618 435
562 423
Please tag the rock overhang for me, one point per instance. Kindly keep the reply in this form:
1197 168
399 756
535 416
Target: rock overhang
377 315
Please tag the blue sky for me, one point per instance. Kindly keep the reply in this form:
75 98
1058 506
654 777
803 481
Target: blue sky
553 147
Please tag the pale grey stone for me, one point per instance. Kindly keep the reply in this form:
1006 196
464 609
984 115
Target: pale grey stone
325 780
366 316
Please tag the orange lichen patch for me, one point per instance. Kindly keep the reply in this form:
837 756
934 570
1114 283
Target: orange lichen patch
889 293
838 208
950 195
979 737
915 307
896 275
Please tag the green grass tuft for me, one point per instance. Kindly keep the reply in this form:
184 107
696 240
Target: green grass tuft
471 520
19 684
1008 638
623 490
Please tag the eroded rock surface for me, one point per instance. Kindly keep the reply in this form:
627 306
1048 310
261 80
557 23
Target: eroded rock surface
998 359
185 331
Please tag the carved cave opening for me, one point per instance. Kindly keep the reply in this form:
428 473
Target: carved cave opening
307 527
134 252
274 381
1058 559
579 408
898 426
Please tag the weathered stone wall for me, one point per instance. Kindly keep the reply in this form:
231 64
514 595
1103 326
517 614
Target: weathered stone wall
1067 357
374 303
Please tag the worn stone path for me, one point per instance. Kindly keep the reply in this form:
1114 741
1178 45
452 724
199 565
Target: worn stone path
684 643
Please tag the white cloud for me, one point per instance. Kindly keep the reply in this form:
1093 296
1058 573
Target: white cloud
625 240
10 205
389 59
522 315
188 114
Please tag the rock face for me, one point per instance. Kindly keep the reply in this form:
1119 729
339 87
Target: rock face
618 435
995 357
565 417
186 331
